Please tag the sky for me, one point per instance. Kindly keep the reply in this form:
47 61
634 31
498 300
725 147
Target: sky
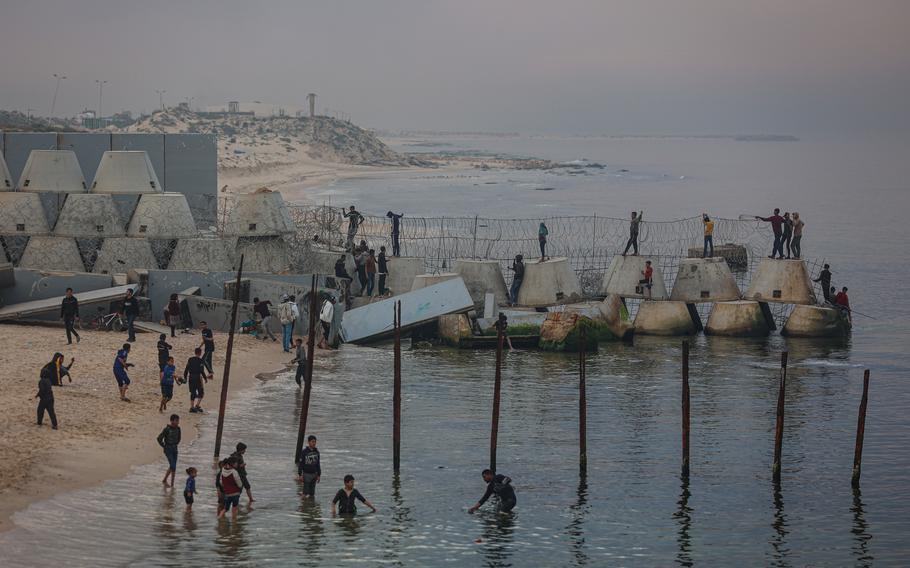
567 66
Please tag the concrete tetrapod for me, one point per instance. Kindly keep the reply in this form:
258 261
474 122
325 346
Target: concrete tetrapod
264 254
547 283
87 215
203 254
741 318
664 318
125 172
816 321
52 253
623 277
123 254
482 277
55 171
402 272
781 281
262 213
424 280
6 180
22 214
162 216
704 280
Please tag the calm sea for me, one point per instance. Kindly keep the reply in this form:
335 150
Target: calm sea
632 508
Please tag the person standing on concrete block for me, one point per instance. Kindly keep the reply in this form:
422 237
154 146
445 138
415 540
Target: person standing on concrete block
709 236
396 226
354 220
286 317
326 315
262 308
370 267
633 233
131 311
542 233
777 223
208 347
796 245
824 278
518 267
69 311
383 265
647 282
787 234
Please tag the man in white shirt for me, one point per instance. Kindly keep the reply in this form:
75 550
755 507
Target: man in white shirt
326 315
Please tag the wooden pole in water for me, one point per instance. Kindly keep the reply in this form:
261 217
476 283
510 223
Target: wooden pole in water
308 375
685 408
582 404
497 390
779 426
227 362
396 397
860 431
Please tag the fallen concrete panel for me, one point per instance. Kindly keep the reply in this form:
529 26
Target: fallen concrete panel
22 214
86 215
550 282
162 216
425 280
704 280
36 307
374 321
55 171
216 313
124 172
624 274
30 285
781 281
52 253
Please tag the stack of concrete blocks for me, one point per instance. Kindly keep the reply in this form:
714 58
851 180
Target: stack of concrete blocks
261 221
162 219
657 315
549 283
52 253
21 214
206 254
483 277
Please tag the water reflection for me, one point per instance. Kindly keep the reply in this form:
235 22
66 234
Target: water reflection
401 522
781 550
312 530
575 529
498 534
861 536
231 544
683 517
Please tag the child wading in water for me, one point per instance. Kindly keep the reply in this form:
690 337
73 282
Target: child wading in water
190 489
231 486
346 498
167 383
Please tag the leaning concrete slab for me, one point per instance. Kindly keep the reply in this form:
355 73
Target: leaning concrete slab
623 276
55 171
262 213
6 180
124 254
215 312
264 254
203 254
125 173
52 253
550 282
816 321
22 214
424 280
781 281
373 322
31 284
162 216
87 215
482 277
664 318
740 318
704 280
37 307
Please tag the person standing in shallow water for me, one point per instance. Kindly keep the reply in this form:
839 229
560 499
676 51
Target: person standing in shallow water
169 439
501 486
300 359
309 469
69 311
240 466
347 498
542 233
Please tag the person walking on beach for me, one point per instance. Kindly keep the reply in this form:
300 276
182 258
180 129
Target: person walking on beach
824 278
131 311
309 470
208 347
396 226
354 220
787 234
382 264
45 394
501 486
169 439
300 359
777 223
167 383
261 307
709 236
797 243
648 281
240 466
164 351
326 316
633 234
518 267
120 367
172 314
194 373
502 324
231 488
542 233
370 267
347 498
69 312
189 490
286 318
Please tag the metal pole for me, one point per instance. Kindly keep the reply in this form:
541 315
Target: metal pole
497 390
860 431
227 362
582 404
396 396
779 426
56 90
308 375
685 408
474 243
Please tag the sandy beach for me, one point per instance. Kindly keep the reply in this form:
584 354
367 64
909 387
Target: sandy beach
100 437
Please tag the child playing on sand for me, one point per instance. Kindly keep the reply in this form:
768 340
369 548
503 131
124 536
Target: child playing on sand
120 367
190 489
167 383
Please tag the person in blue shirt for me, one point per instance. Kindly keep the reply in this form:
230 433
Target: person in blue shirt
120 367
167 383
190 489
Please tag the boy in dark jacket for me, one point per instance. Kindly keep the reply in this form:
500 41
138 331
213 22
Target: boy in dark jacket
309 468
45 398
69 312
169 439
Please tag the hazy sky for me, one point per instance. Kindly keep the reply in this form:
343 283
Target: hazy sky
686 66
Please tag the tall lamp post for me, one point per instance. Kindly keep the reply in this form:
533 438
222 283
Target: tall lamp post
56 90
100 95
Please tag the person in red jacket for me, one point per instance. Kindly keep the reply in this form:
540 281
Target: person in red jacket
231 487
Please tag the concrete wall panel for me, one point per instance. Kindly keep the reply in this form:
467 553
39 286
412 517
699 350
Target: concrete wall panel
191 167
89 147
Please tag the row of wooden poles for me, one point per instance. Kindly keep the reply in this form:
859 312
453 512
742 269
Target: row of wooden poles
497 396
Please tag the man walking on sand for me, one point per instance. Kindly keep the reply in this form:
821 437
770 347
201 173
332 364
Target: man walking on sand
194 373
120 367
69 311
168 439
45 394
208 347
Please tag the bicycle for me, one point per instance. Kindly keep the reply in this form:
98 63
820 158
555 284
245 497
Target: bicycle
108 322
